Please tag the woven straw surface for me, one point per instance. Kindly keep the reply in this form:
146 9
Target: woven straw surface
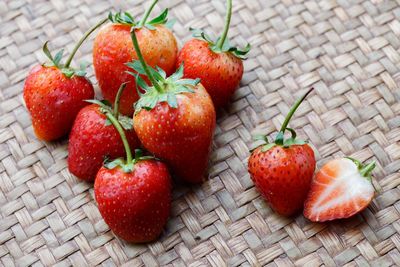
347 50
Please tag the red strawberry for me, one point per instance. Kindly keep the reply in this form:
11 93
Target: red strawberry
54 93
340 189
133 195
174 119
113 48
282 171
218 65
93 138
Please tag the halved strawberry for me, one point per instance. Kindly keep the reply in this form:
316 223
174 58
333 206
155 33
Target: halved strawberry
340 189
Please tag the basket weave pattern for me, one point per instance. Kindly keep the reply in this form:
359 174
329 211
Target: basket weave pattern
347 50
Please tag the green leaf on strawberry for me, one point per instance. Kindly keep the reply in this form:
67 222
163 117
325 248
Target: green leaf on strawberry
127 165
125 18
160 19
65 68
226 47
162 89
280 137
222 44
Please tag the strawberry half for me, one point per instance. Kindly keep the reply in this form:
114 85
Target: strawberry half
93 138
218 64
174 119
340 189
54 93
282 170
133 194
113 48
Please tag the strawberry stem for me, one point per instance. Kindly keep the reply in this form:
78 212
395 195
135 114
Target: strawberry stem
117 99
147 14
121 132
228 16
84 37
293 109
279 138
144 65
366 170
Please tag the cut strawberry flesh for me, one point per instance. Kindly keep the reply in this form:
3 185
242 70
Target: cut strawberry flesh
338 191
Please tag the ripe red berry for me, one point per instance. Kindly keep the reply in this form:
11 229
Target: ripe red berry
174 120
282 171
93 138
133 194
54 93
113 49
220 73
218 64
135 204
53 100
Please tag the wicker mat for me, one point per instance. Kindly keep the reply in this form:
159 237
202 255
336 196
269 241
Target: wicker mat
348 51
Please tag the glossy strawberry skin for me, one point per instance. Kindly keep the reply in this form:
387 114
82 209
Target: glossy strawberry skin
219 73
91 140
113 48
135 205
53 100
283 176
180 136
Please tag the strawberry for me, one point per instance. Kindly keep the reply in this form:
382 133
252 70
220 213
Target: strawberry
54 93
113 48
340 189
282 171
133 195
174 119
218 65
93 138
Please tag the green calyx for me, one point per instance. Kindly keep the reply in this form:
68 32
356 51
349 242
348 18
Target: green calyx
225 48
162 88
169 87
65 68
364 169
127 165
125 18
56 62
222 44
280 137
105 107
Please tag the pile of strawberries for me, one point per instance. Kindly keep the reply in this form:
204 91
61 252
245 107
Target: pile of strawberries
140 73
163 102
